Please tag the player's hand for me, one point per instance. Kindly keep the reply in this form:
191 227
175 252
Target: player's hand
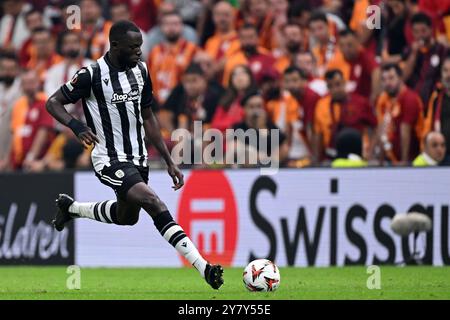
177 177
88 138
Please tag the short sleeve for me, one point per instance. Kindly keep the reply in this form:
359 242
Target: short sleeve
147 100
78 87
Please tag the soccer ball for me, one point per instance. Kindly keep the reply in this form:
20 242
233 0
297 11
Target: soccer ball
261 275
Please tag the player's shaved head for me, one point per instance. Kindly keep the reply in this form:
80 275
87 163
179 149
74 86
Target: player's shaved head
120 29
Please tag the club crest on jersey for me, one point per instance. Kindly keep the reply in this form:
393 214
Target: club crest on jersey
130 96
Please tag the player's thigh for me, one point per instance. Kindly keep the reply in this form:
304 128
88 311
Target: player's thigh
121 177
144 196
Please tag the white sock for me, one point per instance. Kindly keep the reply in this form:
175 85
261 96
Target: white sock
100 211
187 249
176 236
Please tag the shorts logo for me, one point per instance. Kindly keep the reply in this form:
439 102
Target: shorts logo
207 212
133 95
119 174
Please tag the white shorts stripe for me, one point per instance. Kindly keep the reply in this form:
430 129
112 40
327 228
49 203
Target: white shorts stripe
107 179
113 180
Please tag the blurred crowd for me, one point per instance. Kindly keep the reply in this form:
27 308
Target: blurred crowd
346 85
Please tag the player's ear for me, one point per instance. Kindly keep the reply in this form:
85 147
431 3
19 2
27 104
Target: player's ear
114 44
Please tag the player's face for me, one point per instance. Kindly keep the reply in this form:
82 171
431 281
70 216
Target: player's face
435 147
391 82
129 51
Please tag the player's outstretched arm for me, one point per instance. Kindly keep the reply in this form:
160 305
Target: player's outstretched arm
55 106
153 134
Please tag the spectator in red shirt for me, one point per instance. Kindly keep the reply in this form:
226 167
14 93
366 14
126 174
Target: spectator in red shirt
400 119
31 124
337 111
305 61
358 66
43 53
256 57
422 62
229 112
33 20
295 80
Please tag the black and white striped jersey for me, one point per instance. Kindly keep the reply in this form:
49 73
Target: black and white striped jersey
112 102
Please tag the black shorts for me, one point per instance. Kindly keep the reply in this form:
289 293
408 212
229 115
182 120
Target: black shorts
121 176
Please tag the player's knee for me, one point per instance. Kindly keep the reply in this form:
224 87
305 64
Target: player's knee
130 221
128 218
151 201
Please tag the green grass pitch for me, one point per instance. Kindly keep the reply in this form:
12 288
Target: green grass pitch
185 283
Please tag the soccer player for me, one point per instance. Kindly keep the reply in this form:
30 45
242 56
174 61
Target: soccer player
117 97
